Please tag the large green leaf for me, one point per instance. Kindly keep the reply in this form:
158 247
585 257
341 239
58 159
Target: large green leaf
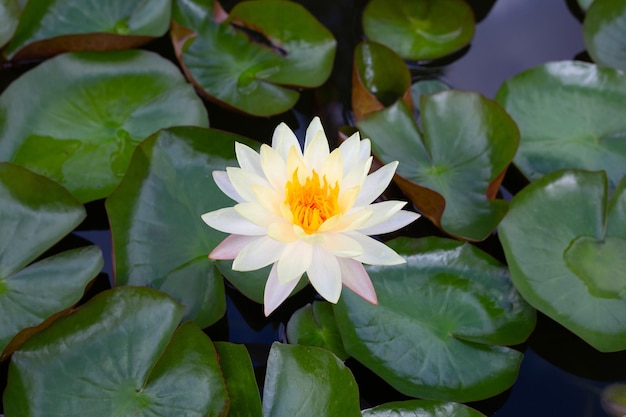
159 239
604 30
452 171
35 213
304 381
421 408
121 354
570 116
76 118
441 323
251 61
419 29
565 241
9 16
585 4
47 27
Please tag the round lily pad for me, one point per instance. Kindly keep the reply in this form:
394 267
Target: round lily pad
570 115
121 354
77 118
419 29
604 30
442 322
585 4
9 16
421 408
565 241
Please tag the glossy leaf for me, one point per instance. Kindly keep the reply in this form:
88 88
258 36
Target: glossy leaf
441 323
585 4
251 61
604 30
9 16
118 355
453 170
49 27
569 116
419 29
421 408
76 118
35 213
425 87
304 381
315 325
564 240
159 239
243 391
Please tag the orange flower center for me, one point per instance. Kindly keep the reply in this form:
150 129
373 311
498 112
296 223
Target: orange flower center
313 202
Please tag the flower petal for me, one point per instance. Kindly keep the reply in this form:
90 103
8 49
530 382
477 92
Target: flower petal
397 221
382 212
227 220
283 232
316 148
357 176
376 183
274 167
345 222
284 139
269 199
275 292
243 181
258 254
224 184
341 245
332 168
324 274
248 159
350 151
294 260
355 277
257 214
312 130
375 252
365 151
230 247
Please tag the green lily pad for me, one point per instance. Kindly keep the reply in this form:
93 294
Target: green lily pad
441 324
305 381
604 30
35 213
421 408
585 4
76 118
315 325
159 239
426 87
564 241
121 354
453 170
48 27
9 17
419 29
569 116
250 61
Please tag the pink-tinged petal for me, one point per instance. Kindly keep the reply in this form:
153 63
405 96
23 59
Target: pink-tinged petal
243 181
227 220
397 221
276 292
257 214
375 252
314 128
284 139
345 222
324 274
283 232
248 159
341 245
230 247
258 254
224 184
350 151
274 167
376 183
355 277
294 260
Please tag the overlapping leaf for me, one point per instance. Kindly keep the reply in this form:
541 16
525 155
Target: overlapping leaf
604 30
421 408
9 16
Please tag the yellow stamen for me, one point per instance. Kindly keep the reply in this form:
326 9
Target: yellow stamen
313 202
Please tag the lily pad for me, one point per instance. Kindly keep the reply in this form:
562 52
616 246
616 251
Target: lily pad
35 213
570 116
426 87
419 29
76 118
159 239
304 381
49 27
585 4
421 408
452 170
442 322
121 354
250 61
604 31
564 241
9 17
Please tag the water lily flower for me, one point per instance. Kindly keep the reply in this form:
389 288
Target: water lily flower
307 211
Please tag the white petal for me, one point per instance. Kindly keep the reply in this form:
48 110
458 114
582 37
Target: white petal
257 214
382 212
345 222
248 159
325 275
275 292
224 184
258 254
283 232
365 150
332 168
316 150
312 130
355 277
274 167
341 245
397 221
375 252
357 176
294 260
230 247
350 151
284 139
376 183
227 220
295 163
243 181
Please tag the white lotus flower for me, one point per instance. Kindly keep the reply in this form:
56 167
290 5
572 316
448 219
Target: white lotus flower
307 212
